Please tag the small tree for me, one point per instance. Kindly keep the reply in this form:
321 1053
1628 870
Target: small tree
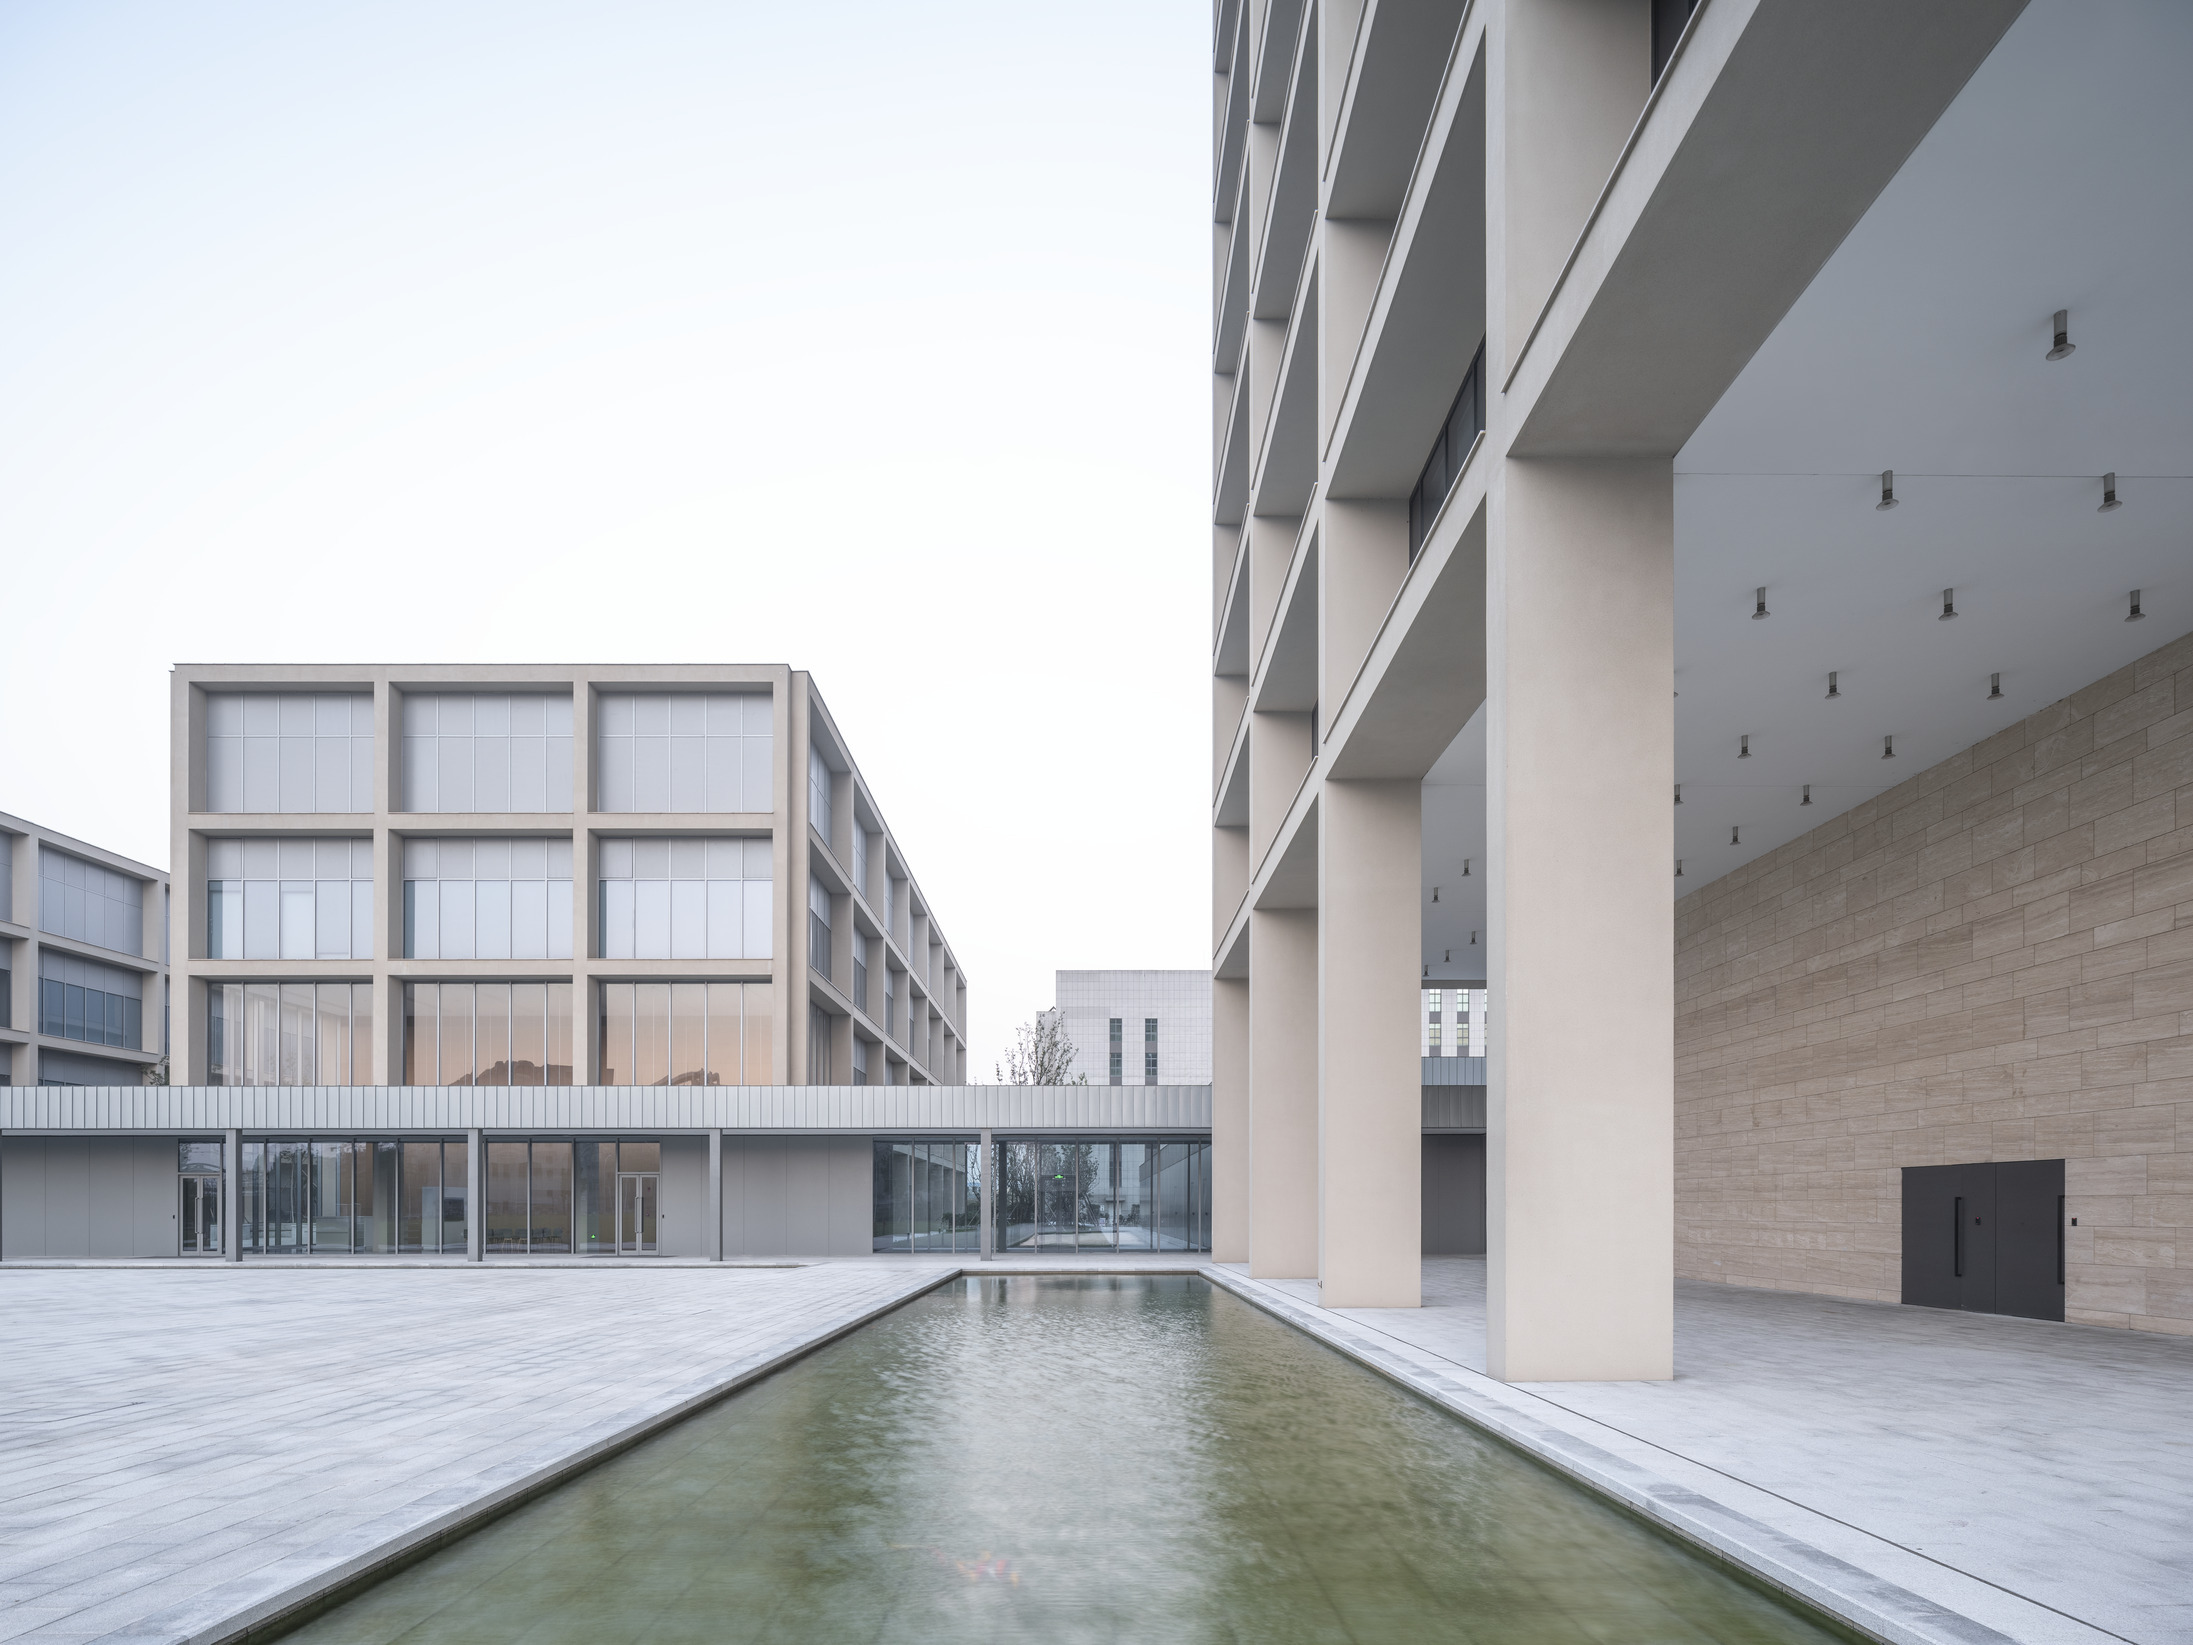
1041 1054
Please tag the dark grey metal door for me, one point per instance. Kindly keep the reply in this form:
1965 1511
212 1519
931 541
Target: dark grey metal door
2029 1238
1985 1237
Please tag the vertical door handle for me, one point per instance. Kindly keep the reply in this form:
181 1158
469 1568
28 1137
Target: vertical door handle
2059 1239
1957 1236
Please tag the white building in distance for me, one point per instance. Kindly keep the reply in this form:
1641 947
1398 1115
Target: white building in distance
1138 1027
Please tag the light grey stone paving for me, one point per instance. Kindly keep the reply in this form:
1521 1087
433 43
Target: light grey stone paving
2037 1478
183 1446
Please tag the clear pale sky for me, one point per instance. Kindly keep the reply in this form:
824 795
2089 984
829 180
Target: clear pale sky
867 338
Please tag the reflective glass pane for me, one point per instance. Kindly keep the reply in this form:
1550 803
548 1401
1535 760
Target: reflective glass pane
491 1033
528 1033
332 1200
559 1034
419 1223
651 1033
1017 1164
384 1212
688 1033
551 1197
457 1063
760 1034
456 1190
506 1196
593 1190
1134 1220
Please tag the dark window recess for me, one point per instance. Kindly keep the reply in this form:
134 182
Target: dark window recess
1668 18
1986 1238
1465 421
1118 1060
818 943
1149 1050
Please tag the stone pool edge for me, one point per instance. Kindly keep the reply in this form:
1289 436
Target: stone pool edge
1851 1596
287 1592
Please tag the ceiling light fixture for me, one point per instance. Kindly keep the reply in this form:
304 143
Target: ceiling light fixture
2109 493
2064 344
1888 490
1949 605
1888 748
1994 686
2135 614
1743 746
1834 690
1760 610
1807 800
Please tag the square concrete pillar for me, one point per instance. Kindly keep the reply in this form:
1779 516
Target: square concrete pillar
1283 1093
1370 1111
1231 1145
1580 917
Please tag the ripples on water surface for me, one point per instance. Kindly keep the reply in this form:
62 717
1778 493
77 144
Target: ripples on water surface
1061 1460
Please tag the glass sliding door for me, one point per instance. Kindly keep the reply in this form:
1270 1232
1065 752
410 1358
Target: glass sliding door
550 1200
1132 1221
456 1196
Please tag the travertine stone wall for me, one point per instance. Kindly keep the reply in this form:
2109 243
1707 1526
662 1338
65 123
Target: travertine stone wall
1991 961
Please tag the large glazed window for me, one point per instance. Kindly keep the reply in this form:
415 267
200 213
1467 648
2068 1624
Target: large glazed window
928 1196
90 903
685 899
487 899
486 751
338 1197
487 1033
685 1033
685 751
289 899
818 792
289 751
83 1000
289 1033
1089 1195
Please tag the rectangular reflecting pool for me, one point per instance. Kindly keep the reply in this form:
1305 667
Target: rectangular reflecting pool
1065 1459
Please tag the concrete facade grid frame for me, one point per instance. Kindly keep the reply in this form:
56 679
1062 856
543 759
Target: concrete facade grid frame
24 944
926 1045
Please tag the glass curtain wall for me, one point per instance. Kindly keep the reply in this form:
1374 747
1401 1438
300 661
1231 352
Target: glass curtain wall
707 899
337 1197
553 1197
487 899
92 903
684 751
306 899
928 1196
486 751
81 999
685 1033
289 751
1093 1195
289 1033
487 1033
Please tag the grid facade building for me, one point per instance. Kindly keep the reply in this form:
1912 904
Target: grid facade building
1138 1027
542 876
83 961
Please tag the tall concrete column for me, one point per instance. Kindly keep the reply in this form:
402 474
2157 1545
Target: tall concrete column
475 1196
715 1195
1370 1112
1283 1093
1230 1133
1579 761
232 1195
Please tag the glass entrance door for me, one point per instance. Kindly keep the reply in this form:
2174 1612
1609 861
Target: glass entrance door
201 1216
636 1213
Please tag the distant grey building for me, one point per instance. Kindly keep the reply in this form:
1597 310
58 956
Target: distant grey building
83 961
1138 1027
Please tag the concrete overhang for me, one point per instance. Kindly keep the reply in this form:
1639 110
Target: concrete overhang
1425 675
1765 142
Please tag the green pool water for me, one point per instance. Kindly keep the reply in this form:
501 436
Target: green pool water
1057 1460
